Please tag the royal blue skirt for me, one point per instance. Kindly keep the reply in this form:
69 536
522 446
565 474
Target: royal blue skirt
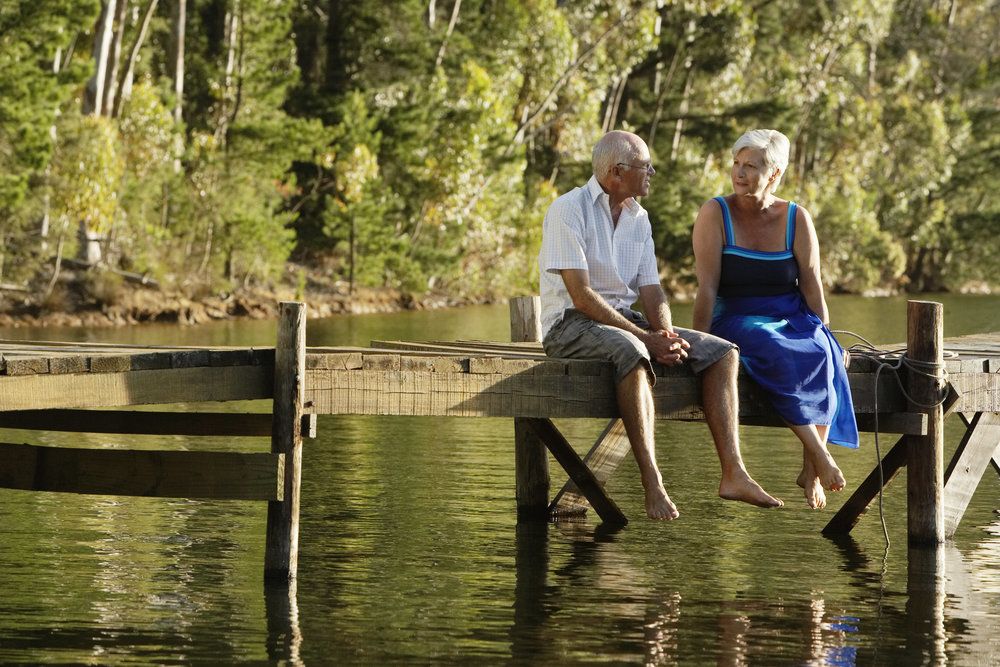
791 354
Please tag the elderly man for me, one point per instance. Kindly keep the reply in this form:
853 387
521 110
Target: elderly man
596 260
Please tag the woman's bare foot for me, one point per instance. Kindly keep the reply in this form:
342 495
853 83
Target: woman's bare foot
740 486
807 479
815 497
659 505
830 476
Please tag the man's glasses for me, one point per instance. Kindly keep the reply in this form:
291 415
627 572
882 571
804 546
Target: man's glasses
648 168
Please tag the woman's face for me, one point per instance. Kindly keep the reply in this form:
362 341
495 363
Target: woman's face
750 177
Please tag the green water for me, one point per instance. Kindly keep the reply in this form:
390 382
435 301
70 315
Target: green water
410 552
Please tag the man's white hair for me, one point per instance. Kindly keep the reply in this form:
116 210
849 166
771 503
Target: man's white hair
774 145
614 147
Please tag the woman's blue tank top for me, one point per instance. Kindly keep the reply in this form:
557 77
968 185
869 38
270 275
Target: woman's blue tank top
748 272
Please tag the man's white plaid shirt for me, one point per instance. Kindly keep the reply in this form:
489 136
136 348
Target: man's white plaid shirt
578 234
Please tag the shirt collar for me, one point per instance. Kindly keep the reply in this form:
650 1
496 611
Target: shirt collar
594 190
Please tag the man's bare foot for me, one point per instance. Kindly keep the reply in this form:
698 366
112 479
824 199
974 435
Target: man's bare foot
659 505
830 476
740 486
815 497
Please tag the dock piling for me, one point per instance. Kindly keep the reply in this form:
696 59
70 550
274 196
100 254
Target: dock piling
925 456
282 544
531 463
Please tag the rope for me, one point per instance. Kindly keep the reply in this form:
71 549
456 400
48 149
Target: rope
894 360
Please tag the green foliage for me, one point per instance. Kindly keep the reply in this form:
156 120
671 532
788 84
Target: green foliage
401 149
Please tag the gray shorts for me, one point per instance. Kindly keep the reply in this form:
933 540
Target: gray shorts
576 336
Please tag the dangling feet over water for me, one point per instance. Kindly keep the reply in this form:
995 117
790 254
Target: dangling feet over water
739 485
658 503
828 471
815 497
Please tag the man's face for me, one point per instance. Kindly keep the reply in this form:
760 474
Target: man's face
634 173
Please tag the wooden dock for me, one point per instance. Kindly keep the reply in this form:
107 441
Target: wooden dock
91 388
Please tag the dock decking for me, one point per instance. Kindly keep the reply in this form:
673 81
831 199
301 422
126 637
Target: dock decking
56 386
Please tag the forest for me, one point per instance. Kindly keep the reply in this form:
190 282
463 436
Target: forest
214 145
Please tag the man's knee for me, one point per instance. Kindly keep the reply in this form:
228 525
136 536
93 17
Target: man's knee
728 363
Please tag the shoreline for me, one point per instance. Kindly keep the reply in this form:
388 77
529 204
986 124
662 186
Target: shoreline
144 306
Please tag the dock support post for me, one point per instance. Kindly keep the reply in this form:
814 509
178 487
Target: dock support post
531 463
281 554
925 455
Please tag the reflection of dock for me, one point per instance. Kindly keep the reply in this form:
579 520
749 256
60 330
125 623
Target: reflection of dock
56 386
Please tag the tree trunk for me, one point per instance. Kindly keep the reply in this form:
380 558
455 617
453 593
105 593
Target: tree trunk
125 85
93 98
180 19
114 60
447 35
89 244
431 13
682 110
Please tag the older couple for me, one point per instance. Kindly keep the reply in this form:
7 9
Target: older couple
760 302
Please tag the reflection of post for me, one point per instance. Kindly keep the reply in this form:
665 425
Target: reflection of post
284 638
925 587
531 562
531 463
925 460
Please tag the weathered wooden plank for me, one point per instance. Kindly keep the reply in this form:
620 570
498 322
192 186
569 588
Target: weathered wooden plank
925 453
603 459
850 512
111 363
136 422
453 348
89 390
340 361
281 547
577 470
126 472
190 359
26 365
68 364
151 361
980 391
981 442
531 463
520 395
230 357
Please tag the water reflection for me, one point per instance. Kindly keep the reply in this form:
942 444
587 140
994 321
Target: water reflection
284 637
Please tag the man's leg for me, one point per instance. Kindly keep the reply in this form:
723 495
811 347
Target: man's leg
635 403
721 404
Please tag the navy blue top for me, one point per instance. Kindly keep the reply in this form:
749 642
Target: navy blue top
748 272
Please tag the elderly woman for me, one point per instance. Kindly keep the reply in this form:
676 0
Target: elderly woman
757 261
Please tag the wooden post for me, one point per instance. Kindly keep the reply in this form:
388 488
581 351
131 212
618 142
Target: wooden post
925 456
282 547
531 463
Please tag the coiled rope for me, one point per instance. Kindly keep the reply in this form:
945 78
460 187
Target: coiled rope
894 360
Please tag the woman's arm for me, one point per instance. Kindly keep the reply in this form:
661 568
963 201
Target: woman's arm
806 250
707 239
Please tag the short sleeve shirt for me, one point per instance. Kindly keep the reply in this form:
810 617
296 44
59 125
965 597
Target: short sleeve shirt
578 233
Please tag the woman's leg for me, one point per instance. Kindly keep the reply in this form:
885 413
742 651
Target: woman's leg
808 479
814 448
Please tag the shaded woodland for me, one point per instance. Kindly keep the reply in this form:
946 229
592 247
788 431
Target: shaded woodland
415 145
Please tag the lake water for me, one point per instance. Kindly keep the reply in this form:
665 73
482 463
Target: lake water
410 550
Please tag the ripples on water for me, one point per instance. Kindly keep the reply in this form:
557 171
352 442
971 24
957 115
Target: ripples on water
409 552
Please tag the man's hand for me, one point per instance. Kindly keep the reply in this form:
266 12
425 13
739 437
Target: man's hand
667 347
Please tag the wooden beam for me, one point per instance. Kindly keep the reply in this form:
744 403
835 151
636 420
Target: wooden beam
177 385
127 472
603 460
925 453
531 462
281 549
849 513
578 471
971 458
138 422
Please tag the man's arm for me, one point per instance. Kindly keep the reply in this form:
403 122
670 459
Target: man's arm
656 307
663 349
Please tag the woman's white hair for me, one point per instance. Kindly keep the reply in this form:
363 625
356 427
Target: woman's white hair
614 147
773 144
